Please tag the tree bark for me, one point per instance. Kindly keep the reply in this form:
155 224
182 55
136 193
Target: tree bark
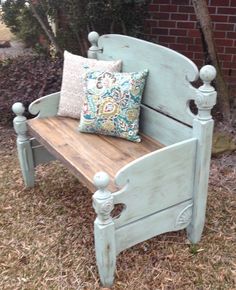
46 29
211 57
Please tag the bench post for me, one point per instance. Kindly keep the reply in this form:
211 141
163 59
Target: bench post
104 230
24 149
203 131
93 39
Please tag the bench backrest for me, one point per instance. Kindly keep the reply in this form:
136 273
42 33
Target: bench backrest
165 113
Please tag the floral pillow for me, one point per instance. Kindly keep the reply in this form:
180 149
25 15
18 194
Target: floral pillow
73 81
112 104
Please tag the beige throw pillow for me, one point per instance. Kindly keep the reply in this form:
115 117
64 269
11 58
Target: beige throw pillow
73 81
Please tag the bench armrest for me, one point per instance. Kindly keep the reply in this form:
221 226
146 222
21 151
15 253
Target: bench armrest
46 106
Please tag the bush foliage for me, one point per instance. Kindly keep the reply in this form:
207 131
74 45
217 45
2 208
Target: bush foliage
74 19
21 21
26 78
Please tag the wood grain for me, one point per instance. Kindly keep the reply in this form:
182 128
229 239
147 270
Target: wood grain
86 154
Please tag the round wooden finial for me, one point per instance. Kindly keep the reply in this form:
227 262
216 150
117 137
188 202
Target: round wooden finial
93 38
101 180
207 73
18 108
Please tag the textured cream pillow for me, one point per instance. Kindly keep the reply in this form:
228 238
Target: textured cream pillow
73 81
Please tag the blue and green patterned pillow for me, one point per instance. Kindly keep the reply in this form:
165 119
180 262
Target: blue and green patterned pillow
112 104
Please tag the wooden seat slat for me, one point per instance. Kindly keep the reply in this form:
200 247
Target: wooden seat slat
86 154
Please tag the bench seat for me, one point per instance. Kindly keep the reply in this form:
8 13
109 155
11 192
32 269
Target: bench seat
86 154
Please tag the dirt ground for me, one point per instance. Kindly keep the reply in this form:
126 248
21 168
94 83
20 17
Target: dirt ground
5 34
47 235
17 48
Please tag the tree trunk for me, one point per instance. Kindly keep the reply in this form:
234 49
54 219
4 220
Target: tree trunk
46 29
211 57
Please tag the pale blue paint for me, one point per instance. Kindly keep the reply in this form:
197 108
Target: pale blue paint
165 190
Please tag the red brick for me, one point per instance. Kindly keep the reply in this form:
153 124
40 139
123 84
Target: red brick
182 32
229 65
231 35
186 9
231 80
179 16
147 30
178 46
229 10
224 26
187 40
168 8
199 62
153 7
198 55
166 23
161 1
188 54
192 17
233 73
232 19
221 49
180 2
219 18
158 15
151 22
233 3
195 48
220 2
225 57
152 38
160 31
224 42
230 50
225 71
185 24
219 34
167 39
211 9
198 41
193 33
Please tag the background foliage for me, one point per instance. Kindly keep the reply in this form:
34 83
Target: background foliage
21 21
26 78
74 19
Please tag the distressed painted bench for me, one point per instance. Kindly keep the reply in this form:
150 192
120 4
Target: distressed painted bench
161 182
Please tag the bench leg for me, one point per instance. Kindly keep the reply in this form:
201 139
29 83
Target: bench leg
24 149
202 131
105 252
26 162
104 230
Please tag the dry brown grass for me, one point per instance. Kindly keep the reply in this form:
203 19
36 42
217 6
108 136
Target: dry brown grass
47 242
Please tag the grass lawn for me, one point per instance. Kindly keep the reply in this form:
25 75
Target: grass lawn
47 235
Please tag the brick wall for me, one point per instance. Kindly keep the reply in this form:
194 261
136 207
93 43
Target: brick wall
172 23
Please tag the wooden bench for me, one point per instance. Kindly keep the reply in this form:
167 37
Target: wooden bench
161 182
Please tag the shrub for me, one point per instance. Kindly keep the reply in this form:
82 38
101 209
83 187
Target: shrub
21 21
25 79
74 19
